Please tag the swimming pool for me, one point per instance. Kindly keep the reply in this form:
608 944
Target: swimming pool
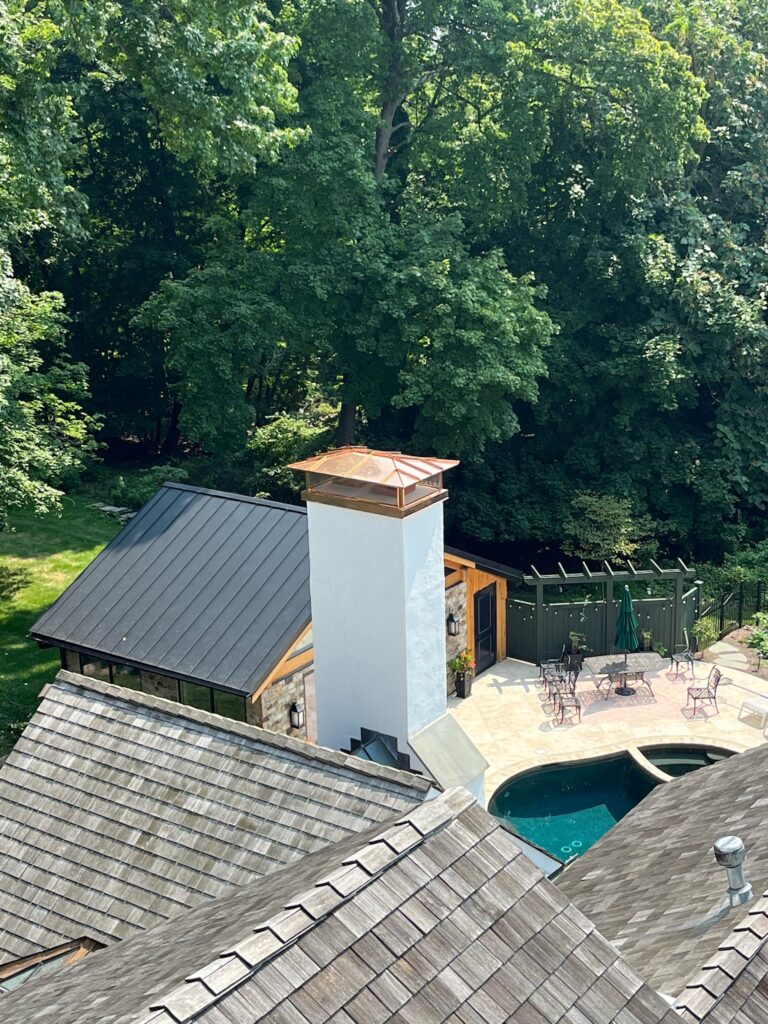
565 808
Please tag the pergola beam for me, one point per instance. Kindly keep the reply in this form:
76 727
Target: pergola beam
587 570
608 573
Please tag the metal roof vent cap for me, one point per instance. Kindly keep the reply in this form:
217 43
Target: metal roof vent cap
730 853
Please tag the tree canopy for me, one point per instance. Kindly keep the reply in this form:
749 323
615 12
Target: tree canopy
532 236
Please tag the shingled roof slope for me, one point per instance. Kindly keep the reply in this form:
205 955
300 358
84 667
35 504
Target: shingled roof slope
119 810
732 987
438 919
651 884
201 585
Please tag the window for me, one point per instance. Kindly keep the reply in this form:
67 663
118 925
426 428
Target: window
70 660
159 685
302 644
197 696
126 675
229 704
95 668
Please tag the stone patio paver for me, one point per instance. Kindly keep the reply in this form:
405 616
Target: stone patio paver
508 719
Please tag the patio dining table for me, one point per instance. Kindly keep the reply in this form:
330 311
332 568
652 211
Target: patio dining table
615 664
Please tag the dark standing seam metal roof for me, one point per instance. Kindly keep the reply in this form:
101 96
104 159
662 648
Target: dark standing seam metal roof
201 585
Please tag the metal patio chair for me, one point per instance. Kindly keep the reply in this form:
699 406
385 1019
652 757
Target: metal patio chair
684 654
639 677
701 695
567 700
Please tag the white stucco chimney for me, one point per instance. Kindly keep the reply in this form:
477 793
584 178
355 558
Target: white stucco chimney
378 594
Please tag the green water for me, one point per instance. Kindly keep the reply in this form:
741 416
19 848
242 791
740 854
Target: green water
565 809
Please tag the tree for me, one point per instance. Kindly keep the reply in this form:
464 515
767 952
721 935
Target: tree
44 435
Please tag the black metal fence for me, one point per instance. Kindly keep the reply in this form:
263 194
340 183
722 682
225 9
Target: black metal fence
735 607
656 615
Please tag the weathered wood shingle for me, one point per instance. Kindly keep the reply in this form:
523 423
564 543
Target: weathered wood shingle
452 927
119 810
651 885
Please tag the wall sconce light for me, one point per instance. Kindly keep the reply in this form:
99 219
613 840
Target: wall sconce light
297 715
648 590
452 625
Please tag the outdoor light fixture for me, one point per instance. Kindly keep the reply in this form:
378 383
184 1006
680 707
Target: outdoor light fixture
648 590
452 625
297 715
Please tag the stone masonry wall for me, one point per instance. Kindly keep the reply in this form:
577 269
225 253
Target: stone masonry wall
456 602
159 686
272 709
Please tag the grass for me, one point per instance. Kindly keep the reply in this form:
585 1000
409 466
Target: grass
49 552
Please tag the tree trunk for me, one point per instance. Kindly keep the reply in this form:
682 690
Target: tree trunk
173 434
345 432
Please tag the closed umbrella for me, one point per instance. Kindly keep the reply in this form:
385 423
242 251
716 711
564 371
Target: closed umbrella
626 632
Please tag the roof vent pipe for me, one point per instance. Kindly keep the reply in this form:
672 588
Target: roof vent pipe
730 853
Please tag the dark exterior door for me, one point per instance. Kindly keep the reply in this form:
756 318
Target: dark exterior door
485 628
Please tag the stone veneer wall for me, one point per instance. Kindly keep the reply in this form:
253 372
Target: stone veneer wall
456 602
159 686
272 709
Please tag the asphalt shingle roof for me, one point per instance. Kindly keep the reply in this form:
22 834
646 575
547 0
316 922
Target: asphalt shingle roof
200 585
651 884
435 919
119 810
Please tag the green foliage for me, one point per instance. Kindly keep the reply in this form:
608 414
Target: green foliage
44 434
284 439
706 634
758 639
135 490
601 526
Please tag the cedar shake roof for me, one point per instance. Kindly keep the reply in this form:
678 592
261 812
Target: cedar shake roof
200 585
119 810
732 987
651 884
436 918
389 469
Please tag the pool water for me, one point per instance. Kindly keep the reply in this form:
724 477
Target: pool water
565 809
679 760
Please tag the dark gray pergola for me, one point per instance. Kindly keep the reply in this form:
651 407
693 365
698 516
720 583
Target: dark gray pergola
608 576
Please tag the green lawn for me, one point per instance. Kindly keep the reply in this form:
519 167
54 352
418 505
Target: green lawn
51 550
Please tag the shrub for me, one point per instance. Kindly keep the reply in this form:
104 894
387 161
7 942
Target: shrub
136 490
706 634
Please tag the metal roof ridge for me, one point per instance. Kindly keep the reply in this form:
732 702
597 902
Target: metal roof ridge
245 730
725 965
234 496
356 871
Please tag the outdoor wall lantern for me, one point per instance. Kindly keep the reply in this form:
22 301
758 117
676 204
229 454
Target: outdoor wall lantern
297 715
452 625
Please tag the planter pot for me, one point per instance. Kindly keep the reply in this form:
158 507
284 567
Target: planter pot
646 645
463 684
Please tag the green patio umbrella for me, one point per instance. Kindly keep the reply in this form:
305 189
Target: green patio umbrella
626 625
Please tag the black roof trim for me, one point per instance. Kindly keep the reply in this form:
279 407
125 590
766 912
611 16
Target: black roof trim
267 502
486 563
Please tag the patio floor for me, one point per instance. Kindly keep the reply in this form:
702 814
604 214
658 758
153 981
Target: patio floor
510 722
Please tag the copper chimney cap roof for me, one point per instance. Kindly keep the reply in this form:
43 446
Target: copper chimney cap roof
388 469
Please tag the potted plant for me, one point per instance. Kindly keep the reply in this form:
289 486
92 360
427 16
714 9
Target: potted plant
578 641
647 638
462 666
